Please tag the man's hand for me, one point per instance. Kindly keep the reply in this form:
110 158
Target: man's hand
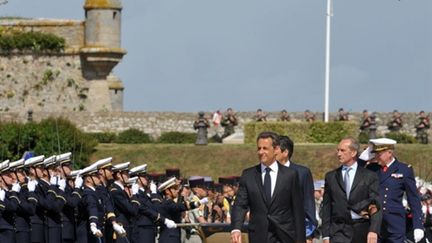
119 229
372 237
236 236
95 231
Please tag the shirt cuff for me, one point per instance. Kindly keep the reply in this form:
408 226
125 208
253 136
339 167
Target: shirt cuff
235 230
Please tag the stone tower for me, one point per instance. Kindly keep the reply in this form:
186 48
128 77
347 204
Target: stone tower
102 52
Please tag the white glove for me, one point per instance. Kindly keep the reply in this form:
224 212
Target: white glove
135 189
153 187
53 180
204 200
2 194
95 231
31 185
170 224
119 229
418 235
78 182
366 154
62 184
16 187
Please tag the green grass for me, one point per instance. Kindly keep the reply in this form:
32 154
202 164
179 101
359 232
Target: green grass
220 160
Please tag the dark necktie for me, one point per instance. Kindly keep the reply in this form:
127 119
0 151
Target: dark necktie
347 182
267 184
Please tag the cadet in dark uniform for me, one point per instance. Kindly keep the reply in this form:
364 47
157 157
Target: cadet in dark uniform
396 179
28 202
73 197
91 214
124 209
104 167
9 203
148 218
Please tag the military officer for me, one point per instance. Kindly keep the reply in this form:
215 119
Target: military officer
396 179
9 203
395 124
28 202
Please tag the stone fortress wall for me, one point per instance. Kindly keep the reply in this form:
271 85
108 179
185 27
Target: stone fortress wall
77 79
155 123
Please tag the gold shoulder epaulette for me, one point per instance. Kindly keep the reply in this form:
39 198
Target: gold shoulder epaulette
113 189
409 165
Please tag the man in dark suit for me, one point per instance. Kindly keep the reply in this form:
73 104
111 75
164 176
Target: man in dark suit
351 211
395 180
306 183
272 194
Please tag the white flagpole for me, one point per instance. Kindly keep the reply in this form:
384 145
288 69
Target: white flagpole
327 61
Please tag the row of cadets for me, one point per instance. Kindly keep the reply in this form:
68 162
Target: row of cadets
28 201
90 220
123 206
171 205
104 167
9 203
46 223
146 222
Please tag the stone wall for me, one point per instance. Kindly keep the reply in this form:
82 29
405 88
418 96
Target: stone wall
156 123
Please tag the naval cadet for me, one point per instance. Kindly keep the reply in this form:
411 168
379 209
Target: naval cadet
124 208
28 202
9 202
396 179
148 218
90 220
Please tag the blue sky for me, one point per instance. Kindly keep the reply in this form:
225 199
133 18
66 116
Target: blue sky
189 55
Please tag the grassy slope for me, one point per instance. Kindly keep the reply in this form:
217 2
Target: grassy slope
216 160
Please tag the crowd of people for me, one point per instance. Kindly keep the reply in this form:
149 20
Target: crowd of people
370 196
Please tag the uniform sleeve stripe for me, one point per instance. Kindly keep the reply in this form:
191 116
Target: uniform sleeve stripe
135 201
16 198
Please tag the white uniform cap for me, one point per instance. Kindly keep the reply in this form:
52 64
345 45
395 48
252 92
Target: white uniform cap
132 180
167 184
34 161
74 173
50 161
381 144
140 169
64 158
121 167
4 166
89 170
16 164
103 163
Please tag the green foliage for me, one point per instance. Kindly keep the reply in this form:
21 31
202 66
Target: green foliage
177 137
302 132
133 135
30 41
401 137
331 132
50 136
104 137
363 138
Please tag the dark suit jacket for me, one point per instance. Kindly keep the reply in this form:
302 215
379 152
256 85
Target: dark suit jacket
336 207
283 215
307 185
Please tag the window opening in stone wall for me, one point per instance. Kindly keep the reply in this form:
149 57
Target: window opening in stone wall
114 14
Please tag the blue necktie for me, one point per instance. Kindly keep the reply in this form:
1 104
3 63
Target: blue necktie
267 184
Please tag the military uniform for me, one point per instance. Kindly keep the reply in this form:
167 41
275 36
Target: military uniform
91 210
124 209
26 209
396 179
73 198
8 208
229 122
421 130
